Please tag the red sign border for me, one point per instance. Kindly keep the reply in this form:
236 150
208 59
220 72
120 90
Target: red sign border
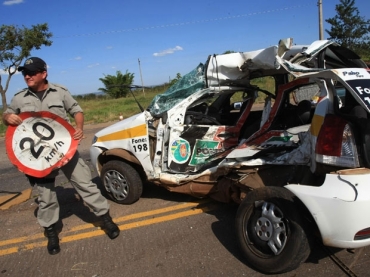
40 173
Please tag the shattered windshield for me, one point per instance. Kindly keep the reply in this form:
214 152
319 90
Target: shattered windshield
187 85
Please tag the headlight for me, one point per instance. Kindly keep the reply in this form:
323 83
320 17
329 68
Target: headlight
94 139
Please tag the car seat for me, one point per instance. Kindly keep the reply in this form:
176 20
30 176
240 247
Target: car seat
297 115
304 112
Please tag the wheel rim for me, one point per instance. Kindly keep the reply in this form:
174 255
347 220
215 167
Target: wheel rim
116 184
267 229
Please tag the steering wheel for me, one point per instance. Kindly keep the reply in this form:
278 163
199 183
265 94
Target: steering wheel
199 115
204 108
196 118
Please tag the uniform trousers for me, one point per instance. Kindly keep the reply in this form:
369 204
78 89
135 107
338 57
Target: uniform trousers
79 174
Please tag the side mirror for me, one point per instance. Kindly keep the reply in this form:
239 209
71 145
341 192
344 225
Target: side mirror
236 105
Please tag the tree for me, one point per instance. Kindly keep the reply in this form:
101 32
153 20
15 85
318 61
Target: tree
16 44
349 29
173 81
117 86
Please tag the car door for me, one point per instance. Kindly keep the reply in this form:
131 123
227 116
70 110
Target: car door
208 130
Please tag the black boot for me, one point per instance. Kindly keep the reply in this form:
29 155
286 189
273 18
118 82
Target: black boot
109 227
53 240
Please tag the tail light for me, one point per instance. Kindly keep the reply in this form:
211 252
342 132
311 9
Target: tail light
336 143
363 234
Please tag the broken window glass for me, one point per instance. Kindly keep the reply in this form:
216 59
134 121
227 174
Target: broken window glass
186 86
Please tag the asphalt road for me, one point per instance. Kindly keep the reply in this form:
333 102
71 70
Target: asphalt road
163 234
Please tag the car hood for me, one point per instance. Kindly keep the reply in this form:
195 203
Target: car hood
121 129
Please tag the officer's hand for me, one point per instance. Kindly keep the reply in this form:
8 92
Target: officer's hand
79 134
12 119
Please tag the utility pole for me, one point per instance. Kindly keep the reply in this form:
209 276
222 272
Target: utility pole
141 77
321 28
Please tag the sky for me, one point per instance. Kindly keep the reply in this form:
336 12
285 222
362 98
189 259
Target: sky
155 40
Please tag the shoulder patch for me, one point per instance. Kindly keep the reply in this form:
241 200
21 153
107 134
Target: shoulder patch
57 86
23 90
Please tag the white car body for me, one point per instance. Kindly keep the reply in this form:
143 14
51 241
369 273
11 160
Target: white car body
340 205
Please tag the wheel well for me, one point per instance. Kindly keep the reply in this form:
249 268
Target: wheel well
309 220
121 155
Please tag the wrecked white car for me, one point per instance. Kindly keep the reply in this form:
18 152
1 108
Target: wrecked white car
297 163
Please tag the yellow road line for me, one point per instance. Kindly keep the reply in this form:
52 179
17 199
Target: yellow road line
147 213
137 224
117 220
123 227
8 251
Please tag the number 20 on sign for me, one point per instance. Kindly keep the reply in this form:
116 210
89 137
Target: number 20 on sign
42 143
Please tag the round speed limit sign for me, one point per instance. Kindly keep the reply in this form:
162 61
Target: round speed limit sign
42 142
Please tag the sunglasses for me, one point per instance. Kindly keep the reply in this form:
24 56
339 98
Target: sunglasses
30 72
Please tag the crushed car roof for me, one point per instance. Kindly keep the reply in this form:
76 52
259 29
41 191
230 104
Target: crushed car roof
237 69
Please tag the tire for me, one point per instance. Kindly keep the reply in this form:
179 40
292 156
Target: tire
122 182
270 231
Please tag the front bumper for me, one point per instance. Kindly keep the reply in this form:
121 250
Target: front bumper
340 207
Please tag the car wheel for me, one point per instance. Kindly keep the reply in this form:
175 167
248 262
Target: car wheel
122 182
270 231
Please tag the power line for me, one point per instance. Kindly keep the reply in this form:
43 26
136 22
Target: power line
184 23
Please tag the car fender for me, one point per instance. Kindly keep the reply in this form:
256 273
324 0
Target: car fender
342 200
127 139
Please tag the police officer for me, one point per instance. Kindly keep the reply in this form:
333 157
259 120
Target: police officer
44 96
